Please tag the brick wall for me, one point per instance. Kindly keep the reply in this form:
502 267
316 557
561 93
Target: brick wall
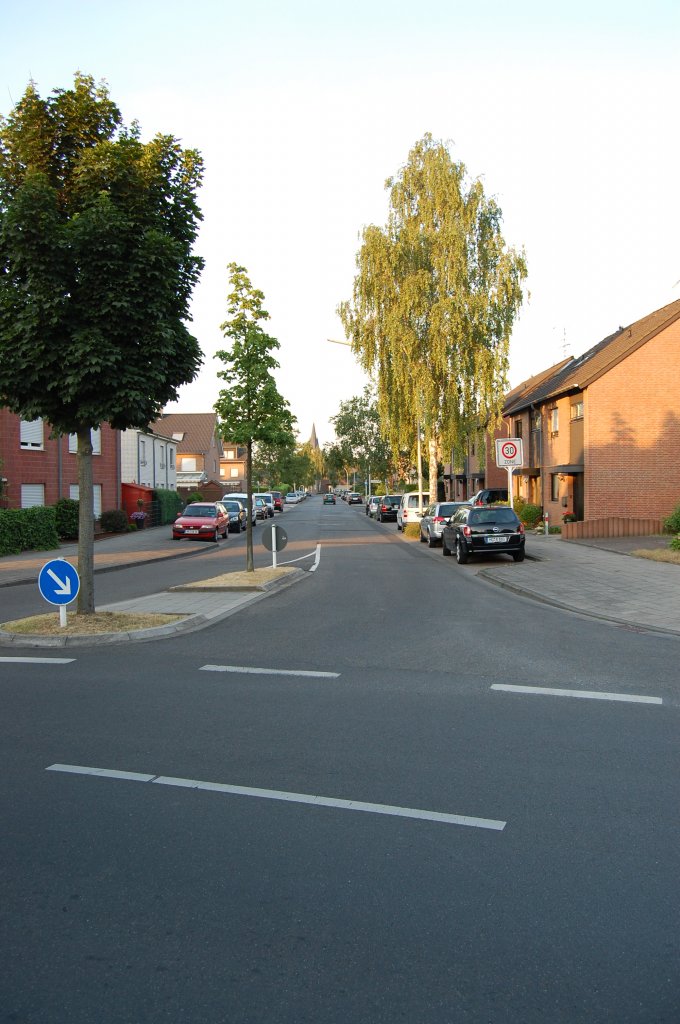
632 433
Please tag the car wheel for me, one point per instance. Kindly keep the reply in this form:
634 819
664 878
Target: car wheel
398 526
518 556
461 553
423 538
431 542
216 536
380 518
445 549
176 538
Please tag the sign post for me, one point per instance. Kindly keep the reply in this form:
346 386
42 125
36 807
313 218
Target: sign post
59 584
509 453
274 539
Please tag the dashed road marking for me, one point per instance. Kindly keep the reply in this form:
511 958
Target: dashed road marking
549 691
247 670
439 817
40 661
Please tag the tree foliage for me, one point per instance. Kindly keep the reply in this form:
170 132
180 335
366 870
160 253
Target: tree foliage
250 408
434 300
96 272
360 438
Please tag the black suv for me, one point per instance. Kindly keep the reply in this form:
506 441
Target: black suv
387 507
490 496
483 531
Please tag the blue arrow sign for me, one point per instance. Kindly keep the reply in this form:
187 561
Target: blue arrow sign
58 581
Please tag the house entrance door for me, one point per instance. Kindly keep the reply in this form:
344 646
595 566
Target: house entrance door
578 495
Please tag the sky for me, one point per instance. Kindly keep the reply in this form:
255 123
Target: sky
567 112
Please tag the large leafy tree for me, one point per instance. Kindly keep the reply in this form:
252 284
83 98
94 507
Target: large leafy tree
96 273
250 408
434 301
359 435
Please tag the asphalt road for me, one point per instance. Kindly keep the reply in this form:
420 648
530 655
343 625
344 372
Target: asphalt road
474 854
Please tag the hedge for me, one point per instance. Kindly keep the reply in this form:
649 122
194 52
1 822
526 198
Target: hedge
28 529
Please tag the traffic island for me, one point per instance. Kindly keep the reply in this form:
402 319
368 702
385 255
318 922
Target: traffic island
259 579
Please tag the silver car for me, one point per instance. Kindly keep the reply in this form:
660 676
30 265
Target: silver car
435 518
372 506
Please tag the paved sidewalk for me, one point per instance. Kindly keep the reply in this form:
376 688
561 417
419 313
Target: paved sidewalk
599 579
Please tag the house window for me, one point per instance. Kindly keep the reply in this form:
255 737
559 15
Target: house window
233 471
518 428
32 495
554 420
162 456
554 487
577 410
230 453
74 492
95 438
178 436
142 452
172 458
188 464
536 420
31 436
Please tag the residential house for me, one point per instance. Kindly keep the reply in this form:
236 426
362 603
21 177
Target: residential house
38 469
601 432
233 468
199 450
148 459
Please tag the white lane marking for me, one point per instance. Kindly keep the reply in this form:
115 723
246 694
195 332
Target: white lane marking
41 661
296 798
631 698
269 671
317 559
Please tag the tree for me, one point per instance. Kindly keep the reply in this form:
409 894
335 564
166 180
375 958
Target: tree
359 435
251 408
434 301
96 274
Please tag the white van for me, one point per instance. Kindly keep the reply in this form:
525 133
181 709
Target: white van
411 508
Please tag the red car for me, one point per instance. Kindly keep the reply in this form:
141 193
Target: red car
204 520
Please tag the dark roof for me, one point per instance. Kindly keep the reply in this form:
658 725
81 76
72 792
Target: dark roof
576 374
197 428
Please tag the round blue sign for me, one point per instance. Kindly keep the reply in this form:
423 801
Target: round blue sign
59 582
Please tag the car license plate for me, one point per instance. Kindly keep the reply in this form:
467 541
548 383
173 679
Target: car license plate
191 531
496 540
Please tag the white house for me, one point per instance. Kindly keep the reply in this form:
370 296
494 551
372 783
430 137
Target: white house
148 459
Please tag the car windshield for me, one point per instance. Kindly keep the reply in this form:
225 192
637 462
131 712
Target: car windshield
487 516
201 511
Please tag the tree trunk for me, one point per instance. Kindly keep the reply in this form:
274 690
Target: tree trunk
85 524
249 490
433 463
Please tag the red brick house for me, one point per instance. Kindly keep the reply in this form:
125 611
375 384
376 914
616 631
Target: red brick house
601 432
38 469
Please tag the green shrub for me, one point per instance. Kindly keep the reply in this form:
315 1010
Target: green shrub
531 515
28 529
411 530
169 504
194 496
675 543
67 518
672 524
114 520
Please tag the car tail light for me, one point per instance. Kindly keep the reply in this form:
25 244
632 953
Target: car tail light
467 531
438 519
521 528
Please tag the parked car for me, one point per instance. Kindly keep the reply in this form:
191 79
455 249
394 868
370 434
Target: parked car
387 509
409 507
372 506
205 520
243 498
262 509
329 499
292 498
238 517
278 501
475 530
490 496
354 499
434 519
268 499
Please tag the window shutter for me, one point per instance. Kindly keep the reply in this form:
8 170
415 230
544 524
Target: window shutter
31 435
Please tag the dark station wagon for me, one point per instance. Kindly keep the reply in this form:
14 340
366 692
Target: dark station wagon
489 530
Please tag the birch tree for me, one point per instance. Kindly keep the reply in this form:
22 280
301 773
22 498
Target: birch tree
434 301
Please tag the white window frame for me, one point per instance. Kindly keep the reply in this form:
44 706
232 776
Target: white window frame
95 438
32 435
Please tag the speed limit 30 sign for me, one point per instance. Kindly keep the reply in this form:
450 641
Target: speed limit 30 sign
509 451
